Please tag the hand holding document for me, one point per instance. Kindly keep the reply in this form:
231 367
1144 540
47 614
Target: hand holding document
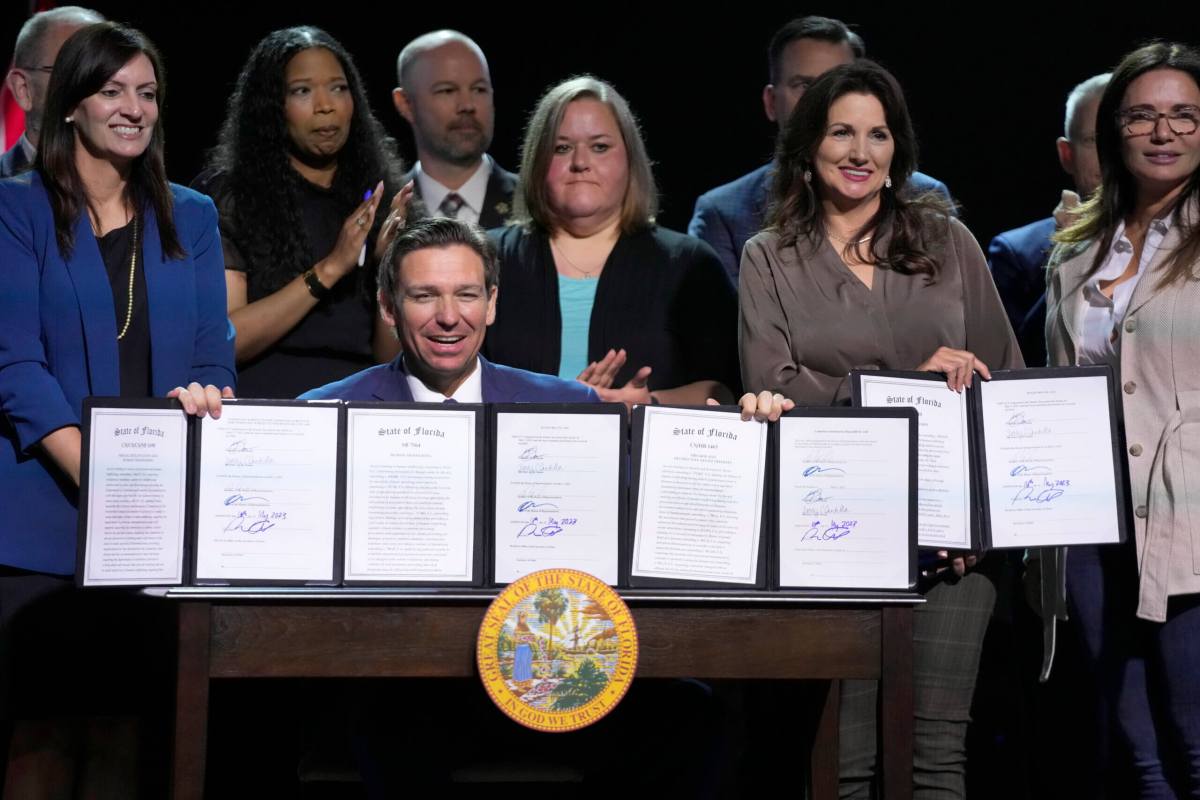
266 506
134 495
1049 449
944 493
1030 458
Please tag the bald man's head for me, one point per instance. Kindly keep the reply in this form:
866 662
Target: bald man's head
445 93
426 42
38 43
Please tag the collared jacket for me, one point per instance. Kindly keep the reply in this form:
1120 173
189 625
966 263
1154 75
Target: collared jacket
1159 385
58 345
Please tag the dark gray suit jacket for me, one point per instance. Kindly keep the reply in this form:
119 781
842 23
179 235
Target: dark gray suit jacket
497 201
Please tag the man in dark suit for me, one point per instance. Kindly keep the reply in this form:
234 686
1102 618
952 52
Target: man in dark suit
799 53
437 289
38 43
445 93
1018 257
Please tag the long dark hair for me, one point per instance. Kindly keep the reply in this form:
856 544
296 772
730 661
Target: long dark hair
1114 201
260 188
796 204
86 62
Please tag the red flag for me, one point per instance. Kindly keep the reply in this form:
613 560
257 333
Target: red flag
12 118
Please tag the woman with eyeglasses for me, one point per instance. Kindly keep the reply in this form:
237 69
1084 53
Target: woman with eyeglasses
1124 290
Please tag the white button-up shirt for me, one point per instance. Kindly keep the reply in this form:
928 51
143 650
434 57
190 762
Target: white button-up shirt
1101 316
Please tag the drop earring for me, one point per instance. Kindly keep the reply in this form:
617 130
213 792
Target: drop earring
887 181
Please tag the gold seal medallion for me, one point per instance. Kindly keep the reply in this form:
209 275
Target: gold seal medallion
557 650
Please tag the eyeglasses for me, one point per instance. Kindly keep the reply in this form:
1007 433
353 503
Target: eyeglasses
1182 120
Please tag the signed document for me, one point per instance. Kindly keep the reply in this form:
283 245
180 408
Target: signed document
845 493
411 493
135 491
1048 447
944 467
558 492
268 484
699 496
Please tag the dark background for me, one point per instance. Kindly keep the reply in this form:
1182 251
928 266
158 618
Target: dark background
986 84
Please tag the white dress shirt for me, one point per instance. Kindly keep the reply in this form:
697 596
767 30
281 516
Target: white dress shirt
471 390
472 192
1100 317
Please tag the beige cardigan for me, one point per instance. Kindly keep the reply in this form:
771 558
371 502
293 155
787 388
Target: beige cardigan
1159 384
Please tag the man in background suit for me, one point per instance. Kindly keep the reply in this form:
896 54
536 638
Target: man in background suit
38 43
437 289
799 53
445 93
1018 257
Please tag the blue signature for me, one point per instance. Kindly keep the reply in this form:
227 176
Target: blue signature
534 505
1019 418
817 470
832 532
238 446
1039 493
1026 433
822 509
1022 469
242 500
549 527
538 469
530 454
243 524
249 461
816 496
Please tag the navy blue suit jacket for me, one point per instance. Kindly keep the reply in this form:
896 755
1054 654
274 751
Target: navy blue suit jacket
58 344
1018 262
730 215
501 384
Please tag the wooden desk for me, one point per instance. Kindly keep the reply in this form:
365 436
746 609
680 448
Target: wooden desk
347 633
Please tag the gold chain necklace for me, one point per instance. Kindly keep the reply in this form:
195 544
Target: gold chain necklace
133 253
836 238
572 264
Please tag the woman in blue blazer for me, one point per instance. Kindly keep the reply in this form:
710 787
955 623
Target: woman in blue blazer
112 283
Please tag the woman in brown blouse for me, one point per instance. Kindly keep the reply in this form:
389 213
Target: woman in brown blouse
852 272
